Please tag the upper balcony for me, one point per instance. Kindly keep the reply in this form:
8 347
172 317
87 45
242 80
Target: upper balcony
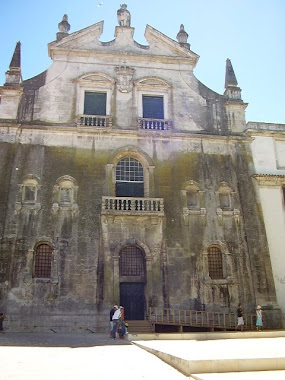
132 206
154 124
94 121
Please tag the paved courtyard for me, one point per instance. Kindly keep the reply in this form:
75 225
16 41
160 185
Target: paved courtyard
71 356
77 356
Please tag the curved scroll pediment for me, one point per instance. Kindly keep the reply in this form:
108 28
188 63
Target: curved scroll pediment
154 82
96 78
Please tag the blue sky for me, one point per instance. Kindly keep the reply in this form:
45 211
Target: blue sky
249 32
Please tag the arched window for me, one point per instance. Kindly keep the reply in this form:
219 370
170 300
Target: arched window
129 178
43 259
132 262
215 263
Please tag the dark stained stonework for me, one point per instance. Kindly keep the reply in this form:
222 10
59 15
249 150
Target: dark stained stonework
58 188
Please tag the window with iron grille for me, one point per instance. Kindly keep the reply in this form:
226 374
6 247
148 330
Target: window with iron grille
43 257
215 263
132 262
129 178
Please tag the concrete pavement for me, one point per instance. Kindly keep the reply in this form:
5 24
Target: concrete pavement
47 356
203 356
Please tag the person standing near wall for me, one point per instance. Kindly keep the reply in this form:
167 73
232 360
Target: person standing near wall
112 311
240 320
115 319
259 318
2 317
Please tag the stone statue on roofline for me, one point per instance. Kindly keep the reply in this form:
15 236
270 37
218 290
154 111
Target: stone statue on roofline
124 16
64 26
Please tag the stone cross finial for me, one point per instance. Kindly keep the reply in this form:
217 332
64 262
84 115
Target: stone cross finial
124 16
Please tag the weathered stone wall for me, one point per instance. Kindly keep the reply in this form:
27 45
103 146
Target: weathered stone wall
83 284
202 147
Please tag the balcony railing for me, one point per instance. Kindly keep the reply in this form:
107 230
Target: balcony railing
154 124
195 318
128 205
94 121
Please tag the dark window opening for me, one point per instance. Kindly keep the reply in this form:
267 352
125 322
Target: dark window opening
43 257
153 107
192 199
29 193
224 200
65 195
131 262
95 103
215 263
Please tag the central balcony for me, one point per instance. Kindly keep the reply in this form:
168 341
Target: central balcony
94 121
132 206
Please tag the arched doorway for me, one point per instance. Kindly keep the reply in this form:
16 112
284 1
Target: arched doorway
132 271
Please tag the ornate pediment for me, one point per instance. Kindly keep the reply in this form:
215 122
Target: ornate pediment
84 39
160 43
97 79
152 82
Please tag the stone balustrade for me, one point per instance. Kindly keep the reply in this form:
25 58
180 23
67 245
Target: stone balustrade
94 121
129 205
154 124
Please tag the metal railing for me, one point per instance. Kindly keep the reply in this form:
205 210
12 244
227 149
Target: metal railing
120 205
94 121
154 124
195 318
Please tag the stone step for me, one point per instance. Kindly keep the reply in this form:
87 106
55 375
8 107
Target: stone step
226 352
139 327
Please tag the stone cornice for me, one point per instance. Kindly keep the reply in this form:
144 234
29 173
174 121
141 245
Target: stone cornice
270 179
265 129
140 57
23 133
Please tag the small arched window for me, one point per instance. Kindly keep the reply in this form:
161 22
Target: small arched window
43 260
129 178
215 263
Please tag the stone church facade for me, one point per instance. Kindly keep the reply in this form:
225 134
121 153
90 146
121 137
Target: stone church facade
125 179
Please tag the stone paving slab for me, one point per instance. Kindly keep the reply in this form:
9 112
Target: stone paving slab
258 375
30 356
217 356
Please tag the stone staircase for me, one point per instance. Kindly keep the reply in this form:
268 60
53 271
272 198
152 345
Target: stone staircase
140 327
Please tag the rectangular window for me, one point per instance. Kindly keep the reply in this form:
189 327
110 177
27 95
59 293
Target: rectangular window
29 194
224 200
95 103
153 107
